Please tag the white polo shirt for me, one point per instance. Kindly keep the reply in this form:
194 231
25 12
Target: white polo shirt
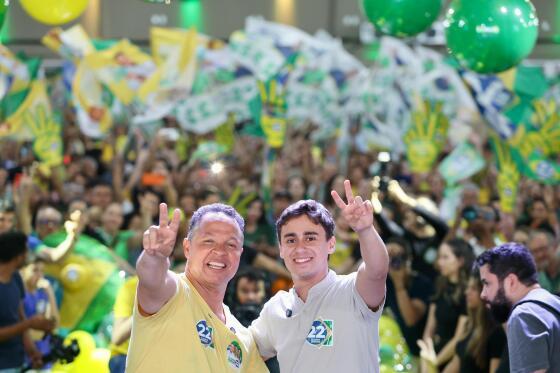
333 331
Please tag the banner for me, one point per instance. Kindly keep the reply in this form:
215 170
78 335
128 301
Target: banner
509 175
463 162
426 136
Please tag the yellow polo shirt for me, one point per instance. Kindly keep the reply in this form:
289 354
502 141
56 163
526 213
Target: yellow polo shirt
185 336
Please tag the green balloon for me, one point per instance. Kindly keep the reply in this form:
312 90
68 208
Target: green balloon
402 18
490 36
3 11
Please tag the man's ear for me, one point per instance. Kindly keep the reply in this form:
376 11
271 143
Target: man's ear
332 244
186 247
510 282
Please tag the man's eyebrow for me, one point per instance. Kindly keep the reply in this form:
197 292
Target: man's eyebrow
310 233
289 235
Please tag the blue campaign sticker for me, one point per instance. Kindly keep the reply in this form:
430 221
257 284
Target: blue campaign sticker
205 334
321 333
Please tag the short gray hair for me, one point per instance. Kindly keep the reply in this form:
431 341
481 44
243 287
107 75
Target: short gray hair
217 208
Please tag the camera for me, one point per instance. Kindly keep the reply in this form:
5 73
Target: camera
60 352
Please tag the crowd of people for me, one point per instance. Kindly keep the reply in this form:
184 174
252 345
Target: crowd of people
112 190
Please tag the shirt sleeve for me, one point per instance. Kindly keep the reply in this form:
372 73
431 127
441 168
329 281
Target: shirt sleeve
528 340
260 330
359 302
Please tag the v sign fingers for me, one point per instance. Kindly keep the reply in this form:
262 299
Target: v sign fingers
357 213
160 240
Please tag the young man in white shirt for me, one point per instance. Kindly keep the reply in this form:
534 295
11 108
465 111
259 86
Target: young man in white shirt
325 323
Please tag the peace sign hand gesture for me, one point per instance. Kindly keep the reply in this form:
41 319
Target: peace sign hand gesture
160 240
357 212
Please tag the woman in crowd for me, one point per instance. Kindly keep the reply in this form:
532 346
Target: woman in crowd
483 342
447 316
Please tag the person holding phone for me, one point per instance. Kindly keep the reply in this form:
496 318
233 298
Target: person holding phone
408 293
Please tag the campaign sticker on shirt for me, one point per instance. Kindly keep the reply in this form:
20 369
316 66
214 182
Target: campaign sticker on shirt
234 354
205 333
321 333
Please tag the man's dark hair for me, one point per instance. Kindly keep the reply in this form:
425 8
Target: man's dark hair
511 257
12 245
313 210
218 208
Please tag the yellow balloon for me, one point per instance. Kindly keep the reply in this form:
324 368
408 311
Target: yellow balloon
96 362
54 12
85 341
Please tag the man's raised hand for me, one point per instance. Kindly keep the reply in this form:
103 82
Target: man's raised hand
160 239
357 212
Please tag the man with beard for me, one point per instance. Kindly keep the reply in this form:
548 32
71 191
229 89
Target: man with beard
510 288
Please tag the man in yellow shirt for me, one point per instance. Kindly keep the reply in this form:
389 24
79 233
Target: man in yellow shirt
180 323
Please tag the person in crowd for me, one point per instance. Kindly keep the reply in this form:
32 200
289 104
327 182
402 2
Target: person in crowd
258 234
481 346
544 249
326 322
170 308
421 226
481 231
510 287
99 193
297 187
39 300
126 243
447 315
539 216
122 324
7 219
48 221
248 295
408 293
14 326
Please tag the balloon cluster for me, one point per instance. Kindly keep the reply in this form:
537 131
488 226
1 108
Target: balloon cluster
393 350
484 36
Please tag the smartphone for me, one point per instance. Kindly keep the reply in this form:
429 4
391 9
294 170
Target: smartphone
153 179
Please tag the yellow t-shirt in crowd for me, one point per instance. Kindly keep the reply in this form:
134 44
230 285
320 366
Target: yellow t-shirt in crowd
124 305
186 336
